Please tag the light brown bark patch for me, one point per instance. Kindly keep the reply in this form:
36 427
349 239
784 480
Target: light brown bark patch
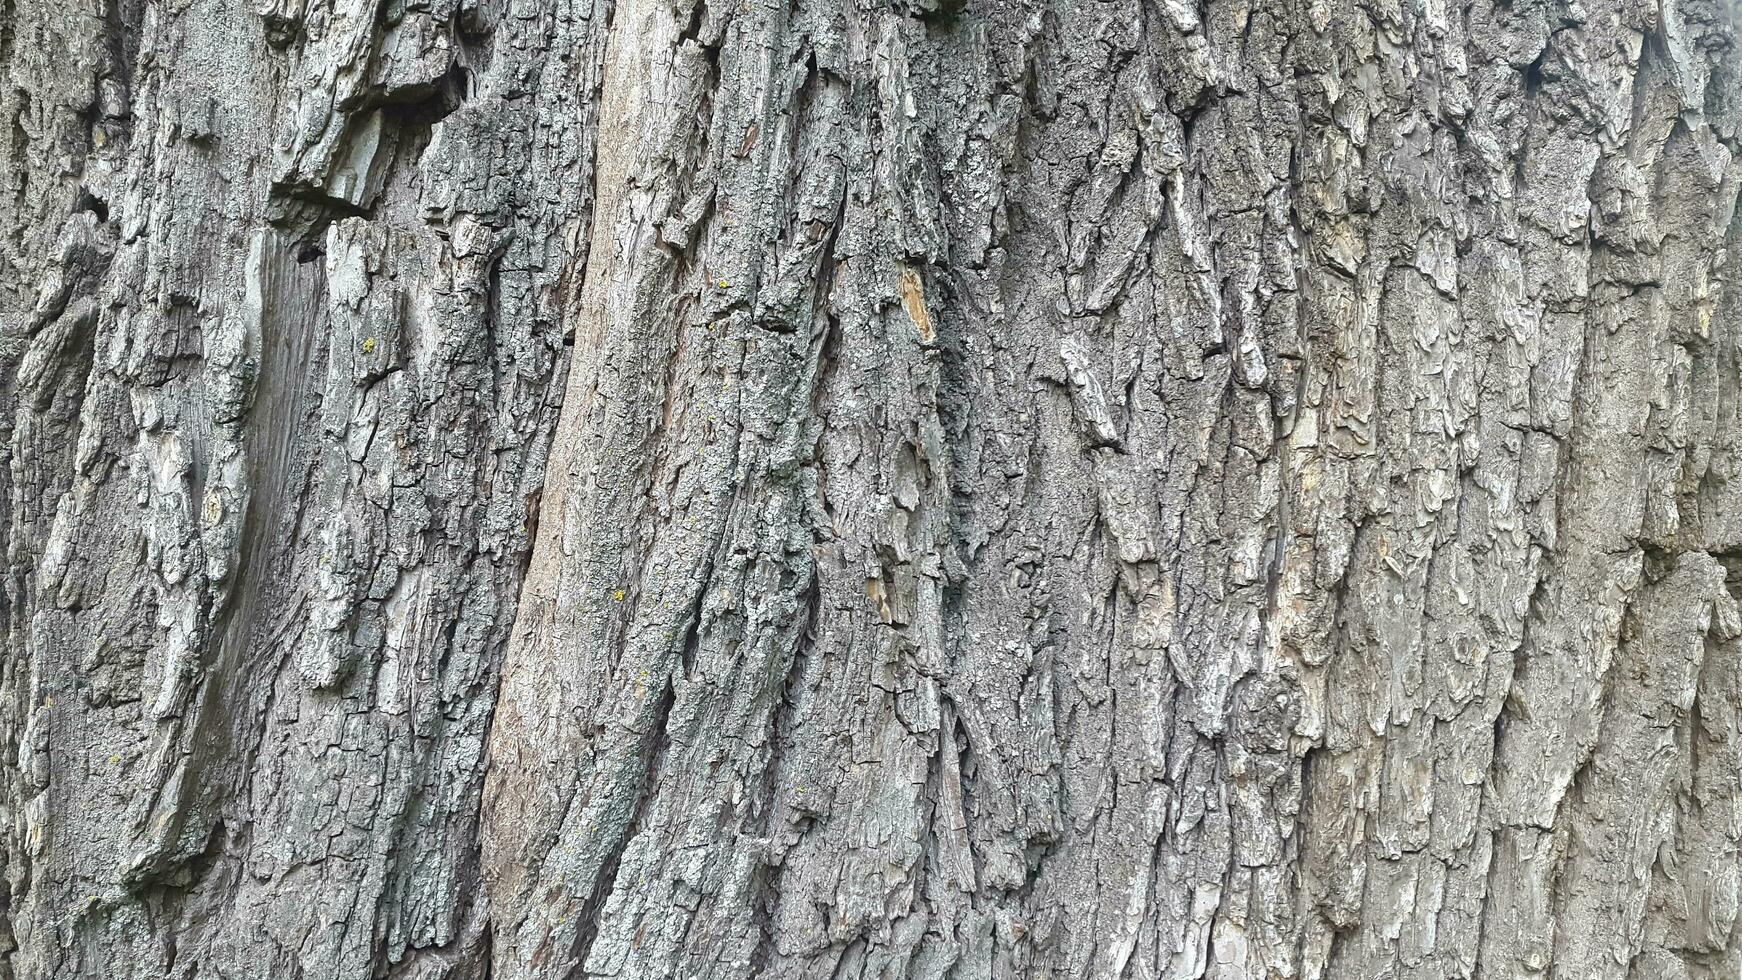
913 298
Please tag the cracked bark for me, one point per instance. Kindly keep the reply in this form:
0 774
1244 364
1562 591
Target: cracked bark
901 488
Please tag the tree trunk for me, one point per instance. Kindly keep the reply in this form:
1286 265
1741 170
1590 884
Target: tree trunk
871 489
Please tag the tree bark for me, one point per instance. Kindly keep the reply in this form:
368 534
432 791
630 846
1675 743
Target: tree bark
871 489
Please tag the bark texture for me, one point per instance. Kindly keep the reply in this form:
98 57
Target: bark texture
871 489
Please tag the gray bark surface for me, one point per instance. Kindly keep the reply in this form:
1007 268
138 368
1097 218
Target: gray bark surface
871 489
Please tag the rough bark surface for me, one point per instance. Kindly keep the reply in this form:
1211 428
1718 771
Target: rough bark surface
871 489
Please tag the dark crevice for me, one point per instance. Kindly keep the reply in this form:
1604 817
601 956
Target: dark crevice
425 105
304 213
692 31
492 324
1191 113
282 30
967 774
88 201
1732 562
692 638
1533 73
474 24
122 20
944 15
